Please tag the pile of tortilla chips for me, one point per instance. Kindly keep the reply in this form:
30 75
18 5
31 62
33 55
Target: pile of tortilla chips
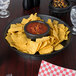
45 45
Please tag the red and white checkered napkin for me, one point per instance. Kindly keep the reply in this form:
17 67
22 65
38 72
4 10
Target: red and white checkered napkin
48 69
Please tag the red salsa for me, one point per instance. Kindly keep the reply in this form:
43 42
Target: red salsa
36 28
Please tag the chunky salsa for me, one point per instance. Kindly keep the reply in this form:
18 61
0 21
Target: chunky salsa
36 28
60 3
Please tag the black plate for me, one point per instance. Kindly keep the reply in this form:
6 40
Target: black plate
37 56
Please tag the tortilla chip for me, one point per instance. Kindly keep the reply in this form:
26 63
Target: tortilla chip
32 47
52 41
51 32
12 25
34 17
10 41
46 50
40 43
22 48
56 28
15 28
66 28
58 47
55 35
19 39
49 22
55 22
61 34
62 26
42 39
45 43
24 21
57 43
67 33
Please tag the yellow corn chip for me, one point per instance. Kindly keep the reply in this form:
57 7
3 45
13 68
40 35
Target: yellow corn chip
56 28
34 17
46 50
15 28
58 47
67 33
52 40
19 38
57 43
22 48
55 22
49 22
45 43
32 47
61 34
66 28
10 41
24 21
55 35
61 26
42 39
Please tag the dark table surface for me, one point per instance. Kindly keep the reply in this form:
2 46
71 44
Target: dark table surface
12 63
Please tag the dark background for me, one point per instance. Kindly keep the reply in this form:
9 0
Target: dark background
11 62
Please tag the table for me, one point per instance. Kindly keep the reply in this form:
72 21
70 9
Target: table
11 62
